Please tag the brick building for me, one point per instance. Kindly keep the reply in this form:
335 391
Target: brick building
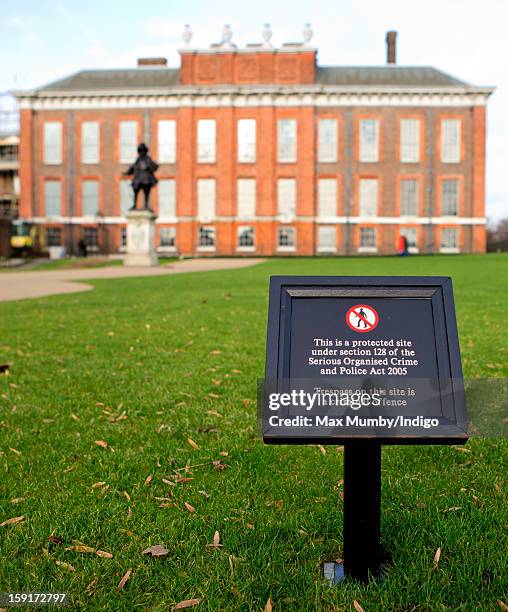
261 151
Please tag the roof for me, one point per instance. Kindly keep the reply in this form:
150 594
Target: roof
160 78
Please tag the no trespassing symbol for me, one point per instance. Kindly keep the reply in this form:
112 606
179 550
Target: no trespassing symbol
362 318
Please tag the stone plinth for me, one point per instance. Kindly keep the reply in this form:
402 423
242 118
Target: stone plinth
140 238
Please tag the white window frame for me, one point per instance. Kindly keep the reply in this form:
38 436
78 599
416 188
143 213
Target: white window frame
206 199
446 248
166 210
322 245
451 141
163 248
409 140
123 239
206 141
328 131
246 198
86 196
327 198
370 248
445 201
166 141
90 142
126 196
52 142
127 141
368 129
49 214
366 191
286 199
213 231
246 248
403 193
287 141
246 141
286 248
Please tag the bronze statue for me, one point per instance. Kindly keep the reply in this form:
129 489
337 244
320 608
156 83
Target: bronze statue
144 179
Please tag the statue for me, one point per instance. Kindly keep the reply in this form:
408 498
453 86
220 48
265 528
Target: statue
144 179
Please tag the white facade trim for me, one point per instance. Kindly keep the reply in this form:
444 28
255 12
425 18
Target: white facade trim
209 97
367 220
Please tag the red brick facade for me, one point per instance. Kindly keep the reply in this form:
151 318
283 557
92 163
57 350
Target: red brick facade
227 86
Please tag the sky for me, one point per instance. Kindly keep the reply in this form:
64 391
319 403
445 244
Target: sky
43 40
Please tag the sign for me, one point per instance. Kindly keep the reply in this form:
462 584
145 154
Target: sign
373 358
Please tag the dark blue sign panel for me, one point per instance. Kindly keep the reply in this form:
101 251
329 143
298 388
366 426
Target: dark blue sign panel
362 358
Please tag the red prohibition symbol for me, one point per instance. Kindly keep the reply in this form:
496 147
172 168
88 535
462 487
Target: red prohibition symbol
362 318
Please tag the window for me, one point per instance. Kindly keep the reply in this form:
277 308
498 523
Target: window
286 141
166 140
90 197
123 237
246 237
126 196
286 197
53 236
52 136
410 140
286 238
450 141
206 141
368 197
368 237
449 197
90 236
90 141
167 236
327 197
327 140
246 134
411 235
409 197
369 140
246 198
449 238
327 236
206 238
206 199
53 198
128 141
167 199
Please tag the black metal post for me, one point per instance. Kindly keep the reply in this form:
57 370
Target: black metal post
362 509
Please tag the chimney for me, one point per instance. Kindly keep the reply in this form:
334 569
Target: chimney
391 47
147 62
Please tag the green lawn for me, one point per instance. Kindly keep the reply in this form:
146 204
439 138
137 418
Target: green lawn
145 364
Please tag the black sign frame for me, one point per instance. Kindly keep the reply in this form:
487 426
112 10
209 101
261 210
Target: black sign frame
437 289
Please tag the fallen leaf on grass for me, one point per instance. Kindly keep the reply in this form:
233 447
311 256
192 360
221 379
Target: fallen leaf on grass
191 443
15 451
55 540
218 465
322 449
81 548
183 480
357 606
98 485
102 443
104 554
189 507
462 449
156 551
437 556
268 605
187 603
213 395
169 482
66 566
124 579
204 494
75 417
13 521
502 605
20 500
453 509
216 541
126 495
214 413
148 480
246 402
215 352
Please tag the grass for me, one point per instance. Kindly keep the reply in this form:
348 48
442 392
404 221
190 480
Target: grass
74 263
144 364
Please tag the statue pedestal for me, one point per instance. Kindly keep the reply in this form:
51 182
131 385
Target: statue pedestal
140 239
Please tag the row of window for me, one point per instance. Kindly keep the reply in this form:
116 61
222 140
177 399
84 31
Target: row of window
327 197
286 237
327 136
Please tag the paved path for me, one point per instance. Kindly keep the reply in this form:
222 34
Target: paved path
22 285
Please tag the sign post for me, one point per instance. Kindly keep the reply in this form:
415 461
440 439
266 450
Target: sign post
362 361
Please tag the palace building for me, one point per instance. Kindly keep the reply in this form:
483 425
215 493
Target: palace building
261 151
